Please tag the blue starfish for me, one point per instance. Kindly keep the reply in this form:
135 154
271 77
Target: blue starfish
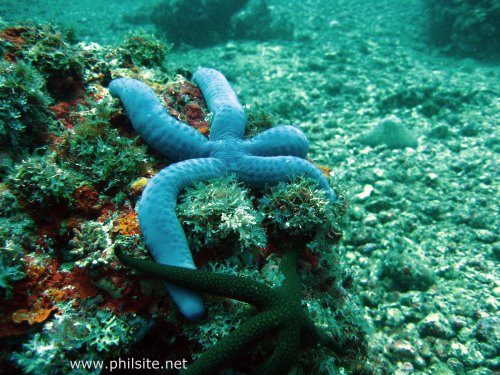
270 157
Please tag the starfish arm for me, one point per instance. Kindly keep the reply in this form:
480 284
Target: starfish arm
288 267
239 288
161 229
284 355
230 347
314 335
164 133
229 119
258 171
280 140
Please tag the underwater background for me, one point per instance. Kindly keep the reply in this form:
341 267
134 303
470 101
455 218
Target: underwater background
400 103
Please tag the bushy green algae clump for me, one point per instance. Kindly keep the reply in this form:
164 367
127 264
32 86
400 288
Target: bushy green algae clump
40 183
23 108
97 333
143 49
221 212
51 51
97 151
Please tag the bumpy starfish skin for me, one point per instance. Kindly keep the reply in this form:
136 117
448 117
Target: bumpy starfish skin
268 158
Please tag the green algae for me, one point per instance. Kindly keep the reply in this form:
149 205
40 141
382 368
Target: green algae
220 212
143 49
24 100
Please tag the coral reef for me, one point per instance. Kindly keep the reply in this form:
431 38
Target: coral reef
198 22
58 209
465 27
201 23
68 198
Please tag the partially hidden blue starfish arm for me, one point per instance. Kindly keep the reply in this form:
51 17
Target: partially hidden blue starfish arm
161 229
279 140
164 133
258 171
229 119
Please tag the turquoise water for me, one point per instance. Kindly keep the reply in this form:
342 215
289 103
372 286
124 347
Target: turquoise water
400 104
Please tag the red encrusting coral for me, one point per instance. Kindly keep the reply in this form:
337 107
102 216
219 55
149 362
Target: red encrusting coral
310 258
131 298
107 209
127 224
323 168
32 316
64 112
87 200
55 226
185 102
12 35
36 296
46 284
